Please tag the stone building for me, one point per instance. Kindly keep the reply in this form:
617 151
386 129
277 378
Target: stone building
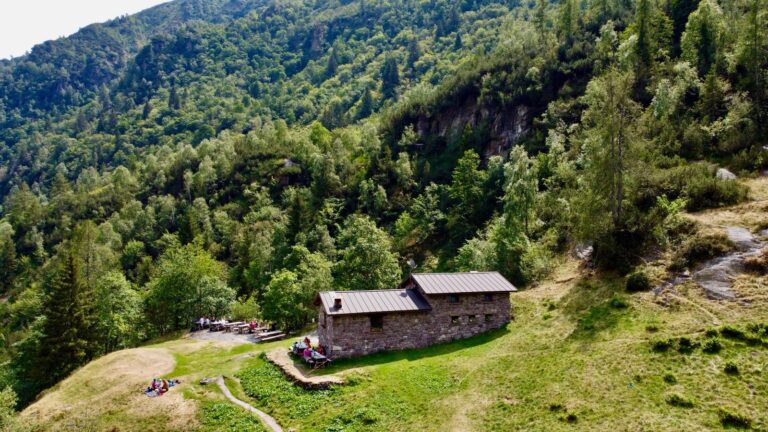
428 308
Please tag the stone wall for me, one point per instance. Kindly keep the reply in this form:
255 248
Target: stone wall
352 336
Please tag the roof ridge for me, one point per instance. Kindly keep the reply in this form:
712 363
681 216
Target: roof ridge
362 291
455 273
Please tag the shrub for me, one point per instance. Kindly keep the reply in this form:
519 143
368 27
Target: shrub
661 345
679 401
729 418
712 346
712 332
619 303
686 345
758 329
555 407
731 368
731 332
700 187
571 418
652 328
670 379
701 248
638 281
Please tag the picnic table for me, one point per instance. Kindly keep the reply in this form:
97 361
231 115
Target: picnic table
228 327
242 328
318 360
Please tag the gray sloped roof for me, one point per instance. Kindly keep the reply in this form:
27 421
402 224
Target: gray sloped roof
378 301
462 283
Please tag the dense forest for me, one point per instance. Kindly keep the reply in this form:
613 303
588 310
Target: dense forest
236 157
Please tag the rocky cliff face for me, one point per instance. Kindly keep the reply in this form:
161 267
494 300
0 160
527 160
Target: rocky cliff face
505 127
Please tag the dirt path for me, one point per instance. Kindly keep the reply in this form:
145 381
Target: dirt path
266 418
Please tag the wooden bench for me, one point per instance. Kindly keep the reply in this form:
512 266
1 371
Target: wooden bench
272 338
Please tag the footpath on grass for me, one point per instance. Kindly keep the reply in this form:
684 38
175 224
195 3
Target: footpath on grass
266 418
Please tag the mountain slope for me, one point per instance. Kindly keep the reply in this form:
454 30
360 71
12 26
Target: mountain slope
68 72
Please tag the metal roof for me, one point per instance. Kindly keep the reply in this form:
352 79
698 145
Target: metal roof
461 283
378 301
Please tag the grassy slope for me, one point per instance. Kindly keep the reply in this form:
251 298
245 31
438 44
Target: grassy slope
572 355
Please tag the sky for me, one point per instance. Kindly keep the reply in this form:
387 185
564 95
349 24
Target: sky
26 23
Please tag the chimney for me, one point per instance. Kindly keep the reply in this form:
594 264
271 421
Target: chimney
337 302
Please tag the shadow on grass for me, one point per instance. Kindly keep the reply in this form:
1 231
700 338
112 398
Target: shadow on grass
414 354
596 305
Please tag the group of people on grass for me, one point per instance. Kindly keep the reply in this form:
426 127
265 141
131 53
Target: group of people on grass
160 386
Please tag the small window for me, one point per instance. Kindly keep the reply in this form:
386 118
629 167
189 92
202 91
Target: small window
453 298
490 317
487 297
455 320
377 323
472 318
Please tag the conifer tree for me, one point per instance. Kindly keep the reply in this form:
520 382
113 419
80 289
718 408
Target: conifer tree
63 346
701 41
366 105
608 150
567 20
7 256
174 101
540 16
390 78
146 111
414 53
333 64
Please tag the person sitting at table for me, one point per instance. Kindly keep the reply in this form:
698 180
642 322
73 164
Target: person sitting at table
320 350
306 341
307 353
207 322
252 326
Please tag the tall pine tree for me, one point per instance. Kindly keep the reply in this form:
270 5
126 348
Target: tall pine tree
64 345
390 78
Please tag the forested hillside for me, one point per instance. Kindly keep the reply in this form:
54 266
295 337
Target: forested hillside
236 157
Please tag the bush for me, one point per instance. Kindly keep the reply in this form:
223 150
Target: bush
679 401
713 332
731 419
555 407
670 379
652 328
619 303
571 418
730 332
698 185
686 345
759 329
731 368
638 281
712 346
661 345
701 248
